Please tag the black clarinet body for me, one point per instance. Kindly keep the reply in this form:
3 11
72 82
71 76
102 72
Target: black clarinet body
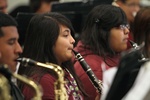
95 81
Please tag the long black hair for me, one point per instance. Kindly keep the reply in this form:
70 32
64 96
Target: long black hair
96 31
42 33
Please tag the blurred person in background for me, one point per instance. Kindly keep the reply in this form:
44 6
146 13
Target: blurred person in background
34 6
3 6
41 6
141 29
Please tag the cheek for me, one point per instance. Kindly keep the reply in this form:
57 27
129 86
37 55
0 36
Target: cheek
113 44
6 52
7 58
116 38
59 49
116 41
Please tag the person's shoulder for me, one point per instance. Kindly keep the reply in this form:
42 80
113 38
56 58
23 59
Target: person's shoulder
93 58
47 83
47 77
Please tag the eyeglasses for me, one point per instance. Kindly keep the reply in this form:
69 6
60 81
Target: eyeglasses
123 27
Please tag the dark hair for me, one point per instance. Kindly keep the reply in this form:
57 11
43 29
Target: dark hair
99 22
42 33
141 30
35 4
6 20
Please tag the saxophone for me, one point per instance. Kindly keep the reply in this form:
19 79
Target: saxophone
4 69
4 88
60 90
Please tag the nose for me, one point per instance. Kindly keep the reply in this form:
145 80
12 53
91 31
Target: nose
18 48
72 40
126 31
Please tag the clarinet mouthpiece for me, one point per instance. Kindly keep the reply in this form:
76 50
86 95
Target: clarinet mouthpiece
74 52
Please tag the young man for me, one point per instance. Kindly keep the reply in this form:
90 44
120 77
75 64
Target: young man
9 49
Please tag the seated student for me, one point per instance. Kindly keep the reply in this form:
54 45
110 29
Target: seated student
141 33
104 37
130 7
10 49
49 40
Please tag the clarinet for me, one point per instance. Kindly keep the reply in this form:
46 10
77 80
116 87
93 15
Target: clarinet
133 44
95 81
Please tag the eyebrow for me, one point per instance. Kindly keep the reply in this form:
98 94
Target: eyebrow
12 39
67 30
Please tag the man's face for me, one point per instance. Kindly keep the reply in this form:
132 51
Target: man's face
131 7
9 47
3 6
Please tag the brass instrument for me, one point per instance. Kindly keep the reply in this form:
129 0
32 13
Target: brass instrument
60 90
32 84
4 88
37 88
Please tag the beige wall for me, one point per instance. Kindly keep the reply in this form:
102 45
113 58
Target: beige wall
14 3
